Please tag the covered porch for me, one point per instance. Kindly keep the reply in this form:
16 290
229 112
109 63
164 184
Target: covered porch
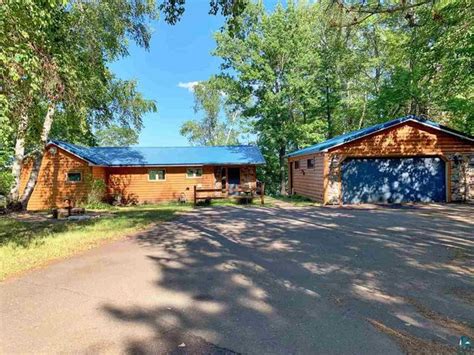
233 181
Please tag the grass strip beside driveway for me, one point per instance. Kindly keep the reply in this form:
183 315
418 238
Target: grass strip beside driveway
26 245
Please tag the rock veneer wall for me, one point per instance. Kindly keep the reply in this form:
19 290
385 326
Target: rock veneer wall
462 177
333 188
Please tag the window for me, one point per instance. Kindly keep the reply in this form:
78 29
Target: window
74 176
297 164
157 175
193 172
310 163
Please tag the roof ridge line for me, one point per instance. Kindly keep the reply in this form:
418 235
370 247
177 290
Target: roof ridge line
177 146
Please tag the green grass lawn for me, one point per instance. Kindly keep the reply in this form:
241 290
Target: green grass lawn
295 200
25 245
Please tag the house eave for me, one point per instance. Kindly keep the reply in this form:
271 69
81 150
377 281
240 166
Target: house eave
90 163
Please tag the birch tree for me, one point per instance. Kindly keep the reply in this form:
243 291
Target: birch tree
60 67
220 123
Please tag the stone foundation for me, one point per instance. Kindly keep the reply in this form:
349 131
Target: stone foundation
333 188
462 177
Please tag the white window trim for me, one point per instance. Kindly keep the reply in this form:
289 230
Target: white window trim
73 172
194 177
157 180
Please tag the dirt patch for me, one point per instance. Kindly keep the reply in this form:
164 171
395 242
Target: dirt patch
31 216
411 344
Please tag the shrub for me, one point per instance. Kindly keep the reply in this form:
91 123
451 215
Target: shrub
96 193
6 180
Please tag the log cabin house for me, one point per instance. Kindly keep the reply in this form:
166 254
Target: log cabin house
137 174
408 159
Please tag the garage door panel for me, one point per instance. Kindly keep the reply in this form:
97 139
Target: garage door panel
393 180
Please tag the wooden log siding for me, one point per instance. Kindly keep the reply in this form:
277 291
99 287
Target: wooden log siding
133 184
99 172
52 186
407 139
309 182
323 184
130 182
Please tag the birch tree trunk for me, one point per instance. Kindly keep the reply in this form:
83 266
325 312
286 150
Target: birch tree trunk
30 185
18 157
281 156
233 117
328 110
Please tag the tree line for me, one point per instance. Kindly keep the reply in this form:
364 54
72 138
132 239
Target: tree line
305 72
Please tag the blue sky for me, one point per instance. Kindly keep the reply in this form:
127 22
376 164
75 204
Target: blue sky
179 55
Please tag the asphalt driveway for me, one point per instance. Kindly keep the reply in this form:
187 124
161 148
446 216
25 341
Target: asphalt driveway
258 281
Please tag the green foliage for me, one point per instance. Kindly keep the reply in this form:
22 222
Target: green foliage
173 10
116 136
56 52
221 124
54 74
97 189
272 59
6 180
307 72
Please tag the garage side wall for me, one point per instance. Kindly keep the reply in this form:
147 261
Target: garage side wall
462 176
409 139
308 182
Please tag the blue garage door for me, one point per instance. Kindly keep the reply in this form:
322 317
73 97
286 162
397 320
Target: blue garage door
394 180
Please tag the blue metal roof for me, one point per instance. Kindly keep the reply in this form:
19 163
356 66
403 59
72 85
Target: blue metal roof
166 156
348 137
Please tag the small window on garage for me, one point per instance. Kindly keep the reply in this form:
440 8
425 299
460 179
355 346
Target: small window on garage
310 163
297 164
193 172
156 175
74 176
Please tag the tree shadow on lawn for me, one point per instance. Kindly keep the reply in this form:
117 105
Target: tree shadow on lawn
305 280
26 233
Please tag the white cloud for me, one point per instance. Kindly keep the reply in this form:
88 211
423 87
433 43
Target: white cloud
189 85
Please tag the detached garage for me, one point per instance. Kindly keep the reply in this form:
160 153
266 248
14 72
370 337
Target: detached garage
404 160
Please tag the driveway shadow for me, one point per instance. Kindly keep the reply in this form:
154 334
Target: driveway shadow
306 280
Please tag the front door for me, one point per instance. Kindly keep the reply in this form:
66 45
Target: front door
233 178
